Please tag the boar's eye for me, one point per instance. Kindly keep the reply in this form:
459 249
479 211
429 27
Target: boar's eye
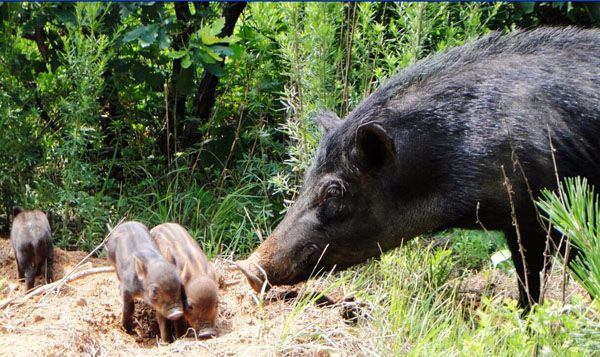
334 190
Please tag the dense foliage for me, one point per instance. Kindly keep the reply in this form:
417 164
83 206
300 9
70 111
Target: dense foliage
200 113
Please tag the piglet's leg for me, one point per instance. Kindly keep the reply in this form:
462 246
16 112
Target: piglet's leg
49 264
128 307
162 326
19 270
181 327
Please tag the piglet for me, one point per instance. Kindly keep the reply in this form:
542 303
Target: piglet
197 274
31 240
144 275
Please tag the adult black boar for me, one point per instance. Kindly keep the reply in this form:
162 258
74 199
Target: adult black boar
427 151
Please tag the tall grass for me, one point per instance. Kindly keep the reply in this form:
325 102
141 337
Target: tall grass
413 305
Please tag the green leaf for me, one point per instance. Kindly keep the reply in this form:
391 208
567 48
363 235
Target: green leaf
212 54
222 50
147 37
163 39
237 50
527 7
201 57
186 62
215 69
209 34
134 34
177 54
66 16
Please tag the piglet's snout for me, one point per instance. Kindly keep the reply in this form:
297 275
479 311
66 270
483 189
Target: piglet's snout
175 313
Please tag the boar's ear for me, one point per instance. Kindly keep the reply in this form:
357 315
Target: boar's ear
328 120
140 268
17 210
374 147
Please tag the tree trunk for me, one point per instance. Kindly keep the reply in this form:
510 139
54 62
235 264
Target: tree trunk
204 99
177 100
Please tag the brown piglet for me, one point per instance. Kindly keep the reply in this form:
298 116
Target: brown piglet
31 240
144 275
197 274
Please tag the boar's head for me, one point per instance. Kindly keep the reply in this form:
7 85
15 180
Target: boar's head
351 206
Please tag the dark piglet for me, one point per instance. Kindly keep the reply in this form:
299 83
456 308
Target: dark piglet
31 239
144 275
197 274
435 147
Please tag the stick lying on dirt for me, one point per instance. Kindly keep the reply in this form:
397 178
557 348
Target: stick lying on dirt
48 287
70 276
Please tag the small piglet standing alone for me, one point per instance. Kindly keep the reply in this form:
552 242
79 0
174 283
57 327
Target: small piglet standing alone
31 240
197 274
144 275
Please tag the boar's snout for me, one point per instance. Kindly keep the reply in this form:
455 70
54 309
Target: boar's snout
255 274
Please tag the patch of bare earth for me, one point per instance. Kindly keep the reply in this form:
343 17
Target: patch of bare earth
83 317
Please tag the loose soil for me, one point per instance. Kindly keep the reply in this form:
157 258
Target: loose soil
83 317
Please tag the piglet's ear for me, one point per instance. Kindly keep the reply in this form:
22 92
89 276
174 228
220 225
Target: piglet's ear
328 120
186 273
140 268
169 256
374 147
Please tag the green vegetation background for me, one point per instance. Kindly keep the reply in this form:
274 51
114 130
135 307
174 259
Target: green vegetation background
200 113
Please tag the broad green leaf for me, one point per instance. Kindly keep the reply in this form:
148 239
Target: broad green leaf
202 58
222 50
163 39
527 7
186 61
215 69
237 49
134 34
209 34
177 54
147 37
66 16
212 54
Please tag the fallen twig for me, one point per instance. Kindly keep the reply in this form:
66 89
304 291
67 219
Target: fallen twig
48 287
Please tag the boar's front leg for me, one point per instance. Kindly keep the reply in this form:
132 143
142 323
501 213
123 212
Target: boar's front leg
128 307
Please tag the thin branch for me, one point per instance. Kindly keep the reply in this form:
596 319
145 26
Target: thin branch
52 286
